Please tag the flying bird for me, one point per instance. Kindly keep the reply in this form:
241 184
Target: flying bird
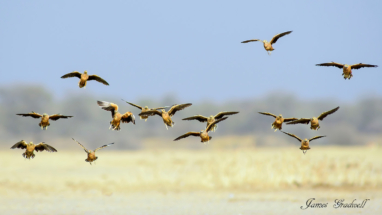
277 124
166 116
304 143
346 69
144 109
30 148
268 45
210 119
91 154
203 134
117 117
84 78
314 125
44 118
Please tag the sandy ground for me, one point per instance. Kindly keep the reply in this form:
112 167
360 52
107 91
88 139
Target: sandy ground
196 202
255 181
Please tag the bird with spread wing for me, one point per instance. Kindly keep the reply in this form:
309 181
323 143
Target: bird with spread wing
166 116
44 118
203 134
117 117
30 148
268 45
314 124
84 78
144 109
304 143
277 124
346 69
210 119
91 154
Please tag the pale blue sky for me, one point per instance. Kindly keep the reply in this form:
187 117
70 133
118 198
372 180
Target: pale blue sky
192 49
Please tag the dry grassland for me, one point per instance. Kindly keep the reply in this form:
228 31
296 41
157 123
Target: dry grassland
205 181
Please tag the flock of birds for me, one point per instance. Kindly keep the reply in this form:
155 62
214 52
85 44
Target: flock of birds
212 121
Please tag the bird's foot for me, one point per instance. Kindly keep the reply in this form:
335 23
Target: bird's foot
304 151
275 130
145 120
166 126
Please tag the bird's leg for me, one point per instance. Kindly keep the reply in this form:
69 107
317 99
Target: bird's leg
145 120
304 151
275 130
41 128
110 126
166 126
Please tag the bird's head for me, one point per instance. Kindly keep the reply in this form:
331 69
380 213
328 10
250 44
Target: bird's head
211 117
45 114
163 111
346 66
30 144
201 131
85 72
265 41
146 107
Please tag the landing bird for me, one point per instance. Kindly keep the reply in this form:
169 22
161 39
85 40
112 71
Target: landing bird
304 143
166 116
268 45
91 154
277 124
346 69
84 78
44 118
117 117
144 109
210 119
30 147
314 125
203 134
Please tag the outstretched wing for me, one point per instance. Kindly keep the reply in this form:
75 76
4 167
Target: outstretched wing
32 114
275 38
210 126
253 40
137 106
20 145
160 108
324 114
42 146
108 106
361 65
292 135
200 118
176 108
289 119
97 78
128 117
338 65
58 116
299 121
222 114
316 137
87 151
72 74
192 133
268 114
103 147
151 113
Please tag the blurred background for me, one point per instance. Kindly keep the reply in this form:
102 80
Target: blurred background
171 52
